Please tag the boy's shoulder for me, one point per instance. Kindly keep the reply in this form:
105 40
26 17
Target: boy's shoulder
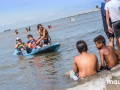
110 47
77 57
92 54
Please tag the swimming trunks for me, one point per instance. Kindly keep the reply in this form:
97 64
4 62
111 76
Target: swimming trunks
107 68
47 41
116 27
74 76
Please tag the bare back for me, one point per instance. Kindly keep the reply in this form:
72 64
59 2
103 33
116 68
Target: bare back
110 56
86 64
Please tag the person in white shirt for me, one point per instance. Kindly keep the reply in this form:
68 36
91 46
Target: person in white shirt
113 12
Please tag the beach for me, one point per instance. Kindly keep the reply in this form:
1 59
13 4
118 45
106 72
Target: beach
46 71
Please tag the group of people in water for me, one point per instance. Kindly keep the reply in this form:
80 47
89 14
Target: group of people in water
86 64
16 32
28 29
43 40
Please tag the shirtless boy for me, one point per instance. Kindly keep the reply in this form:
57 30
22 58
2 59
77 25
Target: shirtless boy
85 64
108 55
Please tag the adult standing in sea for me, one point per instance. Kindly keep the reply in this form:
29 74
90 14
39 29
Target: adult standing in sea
112 8
103 14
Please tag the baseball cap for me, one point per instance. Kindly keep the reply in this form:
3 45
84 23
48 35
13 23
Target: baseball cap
18 38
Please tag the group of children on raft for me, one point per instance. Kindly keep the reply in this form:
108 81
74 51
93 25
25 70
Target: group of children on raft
42 41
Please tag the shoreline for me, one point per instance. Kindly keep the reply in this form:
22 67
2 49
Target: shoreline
82 13
87 12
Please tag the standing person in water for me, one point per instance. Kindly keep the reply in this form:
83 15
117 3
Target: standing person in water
26 29
16 32
112 8
108 55
85 64
29 28
110 35
44 36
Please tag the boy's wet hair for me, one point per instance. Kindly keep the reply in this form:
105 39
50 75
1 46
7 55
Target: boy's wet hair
81 46
100 39
30 36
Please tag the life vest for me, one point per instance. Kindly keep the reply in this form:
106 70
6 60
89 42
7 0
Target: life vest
20 46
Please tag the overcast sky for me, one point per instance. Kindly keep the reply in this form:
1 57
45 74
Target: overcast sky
19 13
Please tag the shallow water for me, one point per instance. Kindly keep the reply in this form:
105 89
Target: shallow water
46 71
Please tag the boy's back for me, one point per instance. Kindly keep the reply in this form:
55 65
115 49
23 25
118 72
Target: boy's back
109 56
87 64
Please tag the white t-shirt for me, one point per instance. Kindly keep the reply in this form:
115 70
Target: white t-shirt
114 9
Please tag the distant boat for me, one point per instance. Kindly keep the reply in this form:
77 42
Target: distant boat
7 30
72 19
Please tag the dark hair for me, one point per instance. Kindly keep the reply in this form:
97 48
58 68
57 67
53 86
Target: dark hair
39 25
29 36
81 46
100 39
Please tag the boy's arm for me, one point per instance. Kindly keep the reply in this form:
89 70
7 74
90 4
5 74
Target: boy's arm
97 65
102 59
16 46
75 67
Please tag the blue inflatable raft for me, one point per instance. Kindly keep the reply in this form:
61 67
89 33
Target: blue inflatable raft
51 48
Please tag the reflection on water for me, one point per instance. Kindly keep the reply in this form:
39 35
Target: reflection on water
46 71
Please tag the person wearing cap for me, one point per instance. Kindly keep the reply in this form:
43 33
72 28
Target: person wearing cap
112 8
20 46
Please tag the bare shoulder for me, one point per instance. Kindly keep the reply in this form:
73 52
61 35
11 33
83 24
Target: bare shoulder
111 47
93 56
77 57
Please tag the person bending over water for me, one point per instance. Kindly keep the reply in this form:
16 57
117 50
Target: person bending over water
85 64
108 55
44 36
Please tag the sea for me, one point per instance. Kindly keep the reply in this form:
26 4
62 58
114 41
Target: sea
47 71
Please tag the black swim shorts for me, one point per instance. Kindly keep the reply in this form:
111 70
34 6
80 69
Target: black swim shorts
116 27
109 35
47 41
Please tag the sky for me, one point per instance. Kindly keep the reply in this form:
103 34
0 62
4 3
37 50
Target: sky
20 13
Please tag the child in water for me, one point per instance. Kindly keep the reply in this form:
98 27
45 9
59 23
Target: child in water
20 46
108 55
31 42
